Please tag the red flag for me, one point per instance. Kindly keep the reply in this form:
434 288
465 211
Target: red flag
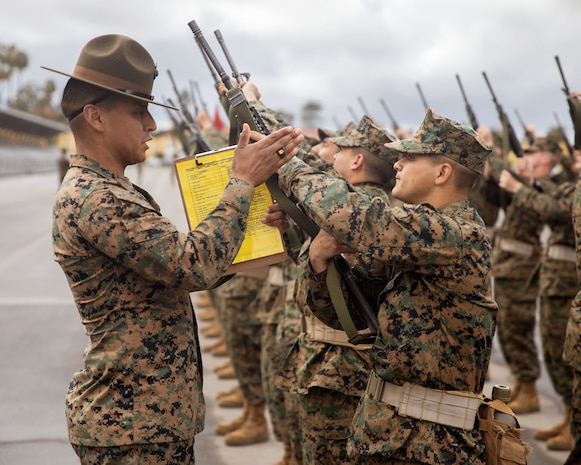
218 123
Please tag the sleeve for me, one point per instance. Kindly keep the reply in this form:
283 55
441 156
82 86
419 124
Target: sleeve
146 242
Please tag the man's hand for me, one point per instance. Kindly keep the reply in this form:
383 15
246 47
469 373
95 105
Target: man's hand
256 162
275 216
323 248
250 90
508 182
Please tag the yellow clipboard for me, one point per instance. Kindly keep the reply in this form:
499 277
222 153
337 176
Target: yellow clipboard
201 179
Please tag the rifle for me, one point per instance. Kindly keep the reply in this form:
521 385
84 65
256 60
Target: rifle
574 108
528 134
177 128
510 141
563 135
363 107
245 113
200 143
235 74
422 95
353 115
471 114
394 124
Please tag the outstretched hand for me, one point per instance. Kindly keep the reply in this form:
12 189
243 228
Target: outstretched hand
256 162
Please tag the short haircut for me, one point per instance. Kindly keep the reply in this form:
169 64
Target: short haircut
377 169
77 94
464 178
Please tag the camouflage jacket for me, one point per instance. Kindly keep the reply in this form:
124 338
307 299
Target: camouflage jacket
131 272
437 319
314 363
553 207
572 348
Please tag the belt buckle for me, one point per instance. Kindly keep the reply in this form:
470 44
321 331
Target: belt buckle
375 386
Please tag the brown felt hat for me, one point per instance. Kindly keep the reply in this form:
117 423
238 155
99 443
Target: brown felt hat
119 64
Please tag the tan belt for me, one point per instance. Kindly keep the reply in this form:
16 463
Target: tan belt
320 332
258 273
562 253
457 408
513 246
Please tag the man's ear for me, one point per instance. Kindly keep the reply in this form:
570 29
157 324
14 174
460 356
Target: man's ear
443 173
358 160
92 115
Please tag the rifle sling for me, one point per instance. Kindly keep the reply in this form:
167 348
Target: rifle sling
239 113
339 303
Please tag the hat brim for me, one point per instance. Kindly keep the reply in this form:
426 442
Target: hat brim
120 92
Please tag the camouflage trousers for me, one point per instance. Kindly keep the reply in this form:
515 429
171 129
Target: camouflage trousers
165 453
326 418
516 326
283 406
242 332
553 323
576 407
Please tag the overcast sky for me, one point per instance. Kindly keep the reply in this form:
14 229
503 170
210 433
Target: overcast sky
333 52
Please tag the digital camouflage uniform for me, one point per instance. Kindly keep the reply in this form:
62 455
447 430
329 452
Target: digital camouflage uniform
330 376
436 317
238 309
557 275
131 272
572 347
516 257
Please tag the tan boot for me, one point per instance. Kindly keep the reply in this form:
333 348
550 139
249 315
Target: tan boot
221 350
286 458
213 345
229 392
527 398
226 373
545 434
234 400
207 315
227 427
212 330
226 364
563 440
202 299
253 430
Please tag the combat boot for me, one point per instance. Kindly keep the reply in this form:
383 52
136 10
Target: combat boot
286 458
203 299
232 400
229 426
544 434
227 372
212 330
253 430
220 350
526 399
207 315
213 345
563 440
228 392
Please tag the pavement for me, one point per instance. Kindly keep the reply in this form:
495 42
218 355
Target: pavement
42 340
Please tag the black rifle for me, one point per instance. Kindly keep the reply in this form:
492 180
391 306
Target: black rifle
422 95
528 133
471 114
353 115
194 100
574 108
363 107
245 113
178 129
394 124
509 136
235 74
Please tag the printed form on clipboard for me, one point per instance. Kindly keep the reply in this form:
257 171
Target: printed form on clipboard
202 179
